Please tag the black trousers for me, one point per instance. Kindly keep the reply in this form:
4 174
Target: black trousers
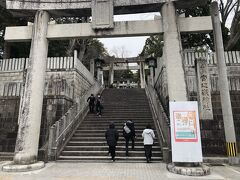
148 152
112 150
91 107
99 109
127 143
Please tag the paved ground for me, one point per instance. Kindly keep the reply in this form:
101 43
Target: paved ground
115 171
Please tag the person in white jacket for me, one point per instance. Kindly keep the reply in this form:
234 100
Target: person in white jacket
148 138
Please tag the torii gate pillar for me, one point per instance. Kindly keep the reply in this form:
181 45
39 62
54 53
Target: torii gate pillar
142 74
111 73
26 149
172 54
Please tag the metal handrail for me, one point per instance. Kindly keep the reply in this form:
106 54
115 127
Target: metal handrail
70 121
162 120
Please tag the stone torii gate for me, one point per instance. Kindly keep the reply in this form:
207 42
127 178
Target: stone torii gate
102 26
139 60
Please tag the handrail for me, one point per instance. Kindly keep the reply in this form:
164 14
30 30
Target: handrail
155 114
62 130
161 120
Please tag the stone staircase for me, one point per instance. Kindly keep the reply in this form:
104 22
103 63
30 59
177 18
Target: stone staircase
88 142
6 156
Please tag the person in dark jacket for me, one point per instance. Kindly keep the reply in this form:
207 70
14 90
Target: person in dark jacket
99 105
129 134
91 101
111 136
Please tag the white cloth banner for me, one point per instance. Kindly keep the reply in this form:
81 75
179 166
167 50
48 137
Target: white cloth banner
185 132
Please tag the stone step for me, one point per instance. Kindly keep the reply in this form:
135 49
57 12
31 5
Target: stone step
102 138
103 143
126 115
6 156
93 134
102 131
103 117
119 128
129 110
102 153
105 148
88 143
106 123
121 120
105 159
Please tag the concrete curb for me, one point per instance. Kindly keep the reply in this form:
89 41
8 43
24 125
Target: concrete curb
201 170
11 167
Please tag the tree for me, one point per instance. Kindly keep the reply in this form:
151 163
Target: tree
153 46
228 8
6 19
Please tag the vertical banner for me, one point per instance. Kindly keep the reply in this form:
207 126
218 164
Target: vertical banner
185 132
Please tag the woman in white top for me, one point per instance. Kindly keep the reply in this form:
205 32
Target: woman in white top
148 137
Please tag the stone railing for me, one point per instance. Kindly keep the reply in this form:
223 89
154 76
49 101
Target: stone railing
161 121
161 85
231 57
53 63
62 130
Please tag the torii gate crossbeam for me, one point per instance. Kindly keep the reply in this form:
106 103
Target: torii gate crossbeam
121 29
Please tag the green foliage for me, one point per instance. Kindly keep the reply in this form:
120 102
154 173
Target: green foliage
198 39
153 46
57 48
123 75
94 49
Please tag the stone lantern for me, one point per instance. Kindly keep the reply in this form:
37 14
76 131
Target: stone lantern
99 63
152 63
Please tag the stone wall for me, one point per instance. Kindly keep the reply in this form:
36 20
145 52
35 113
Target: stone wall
212 131
66 80
8 122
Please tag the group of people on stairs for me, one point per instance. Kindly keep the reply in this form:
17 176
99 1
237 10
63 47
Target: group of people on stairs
98 102
112 136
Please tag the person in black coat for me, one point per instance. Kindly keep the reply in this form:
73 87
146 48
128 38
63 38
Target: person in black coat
99 105
111 136
129 134
91 101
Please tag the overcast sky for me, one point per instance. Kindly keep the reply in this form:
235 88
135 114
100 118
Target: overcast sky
132 45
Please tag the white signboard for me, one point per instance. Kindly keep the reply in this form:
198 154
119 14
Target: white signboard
185 132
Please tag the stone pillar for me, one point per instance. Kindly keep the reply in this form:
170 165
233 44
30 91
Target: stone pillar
142 74
152 75
92 66
223 86
26 149
172 53
75 55
111 73
99 74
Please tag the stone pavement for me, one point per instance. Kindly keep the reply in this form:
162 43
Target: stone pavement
116 171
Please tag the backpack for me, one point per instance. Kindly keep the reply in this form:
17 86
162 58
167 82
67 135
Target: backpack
126 129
